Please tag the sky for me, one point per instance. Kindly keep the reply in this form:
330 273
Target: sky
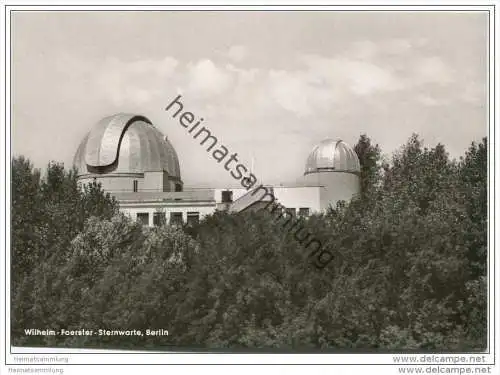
269 85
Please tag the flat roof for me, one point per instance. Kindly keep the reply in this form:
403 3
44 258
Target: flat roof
167 196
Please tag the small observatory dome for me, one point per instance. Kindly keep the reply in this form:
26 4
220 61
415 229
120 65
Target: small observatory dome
333 166
125 144
332 155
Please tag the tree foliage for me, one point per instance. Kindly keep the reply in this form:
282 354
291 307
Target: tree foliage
370 160
409 270
47 213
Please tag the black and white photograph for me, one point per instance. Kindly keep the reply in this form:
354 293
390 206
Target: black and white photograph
273 181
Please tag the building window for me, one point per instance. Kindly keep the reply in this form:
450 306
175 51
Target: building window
159 219
176 218
143 218
178 187
135 186
227 196
304 211
193 218
290 211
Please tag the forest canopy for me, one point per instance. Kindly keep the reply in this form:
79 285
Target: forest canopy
409 269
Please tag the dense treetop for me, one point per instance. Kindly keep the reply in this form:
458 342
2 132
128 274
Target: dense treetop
409 270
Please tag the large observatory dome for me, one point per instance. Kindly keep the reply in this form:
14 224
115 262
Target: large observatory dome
332 155
125 144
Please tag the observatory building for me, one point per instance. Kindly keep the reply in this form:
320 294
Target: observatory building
138 165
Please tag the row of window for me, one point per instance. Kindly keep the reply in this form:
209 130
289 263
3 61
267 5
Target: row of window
159 218
135 186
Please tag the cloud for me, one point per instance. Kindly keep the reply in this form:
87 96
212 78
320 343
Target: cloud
290 91
351 75
138 81
398 46
205 78
365 49
315 86
474 93
237 53
432 70
300 92
324 82
366 78
427 100
162 67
